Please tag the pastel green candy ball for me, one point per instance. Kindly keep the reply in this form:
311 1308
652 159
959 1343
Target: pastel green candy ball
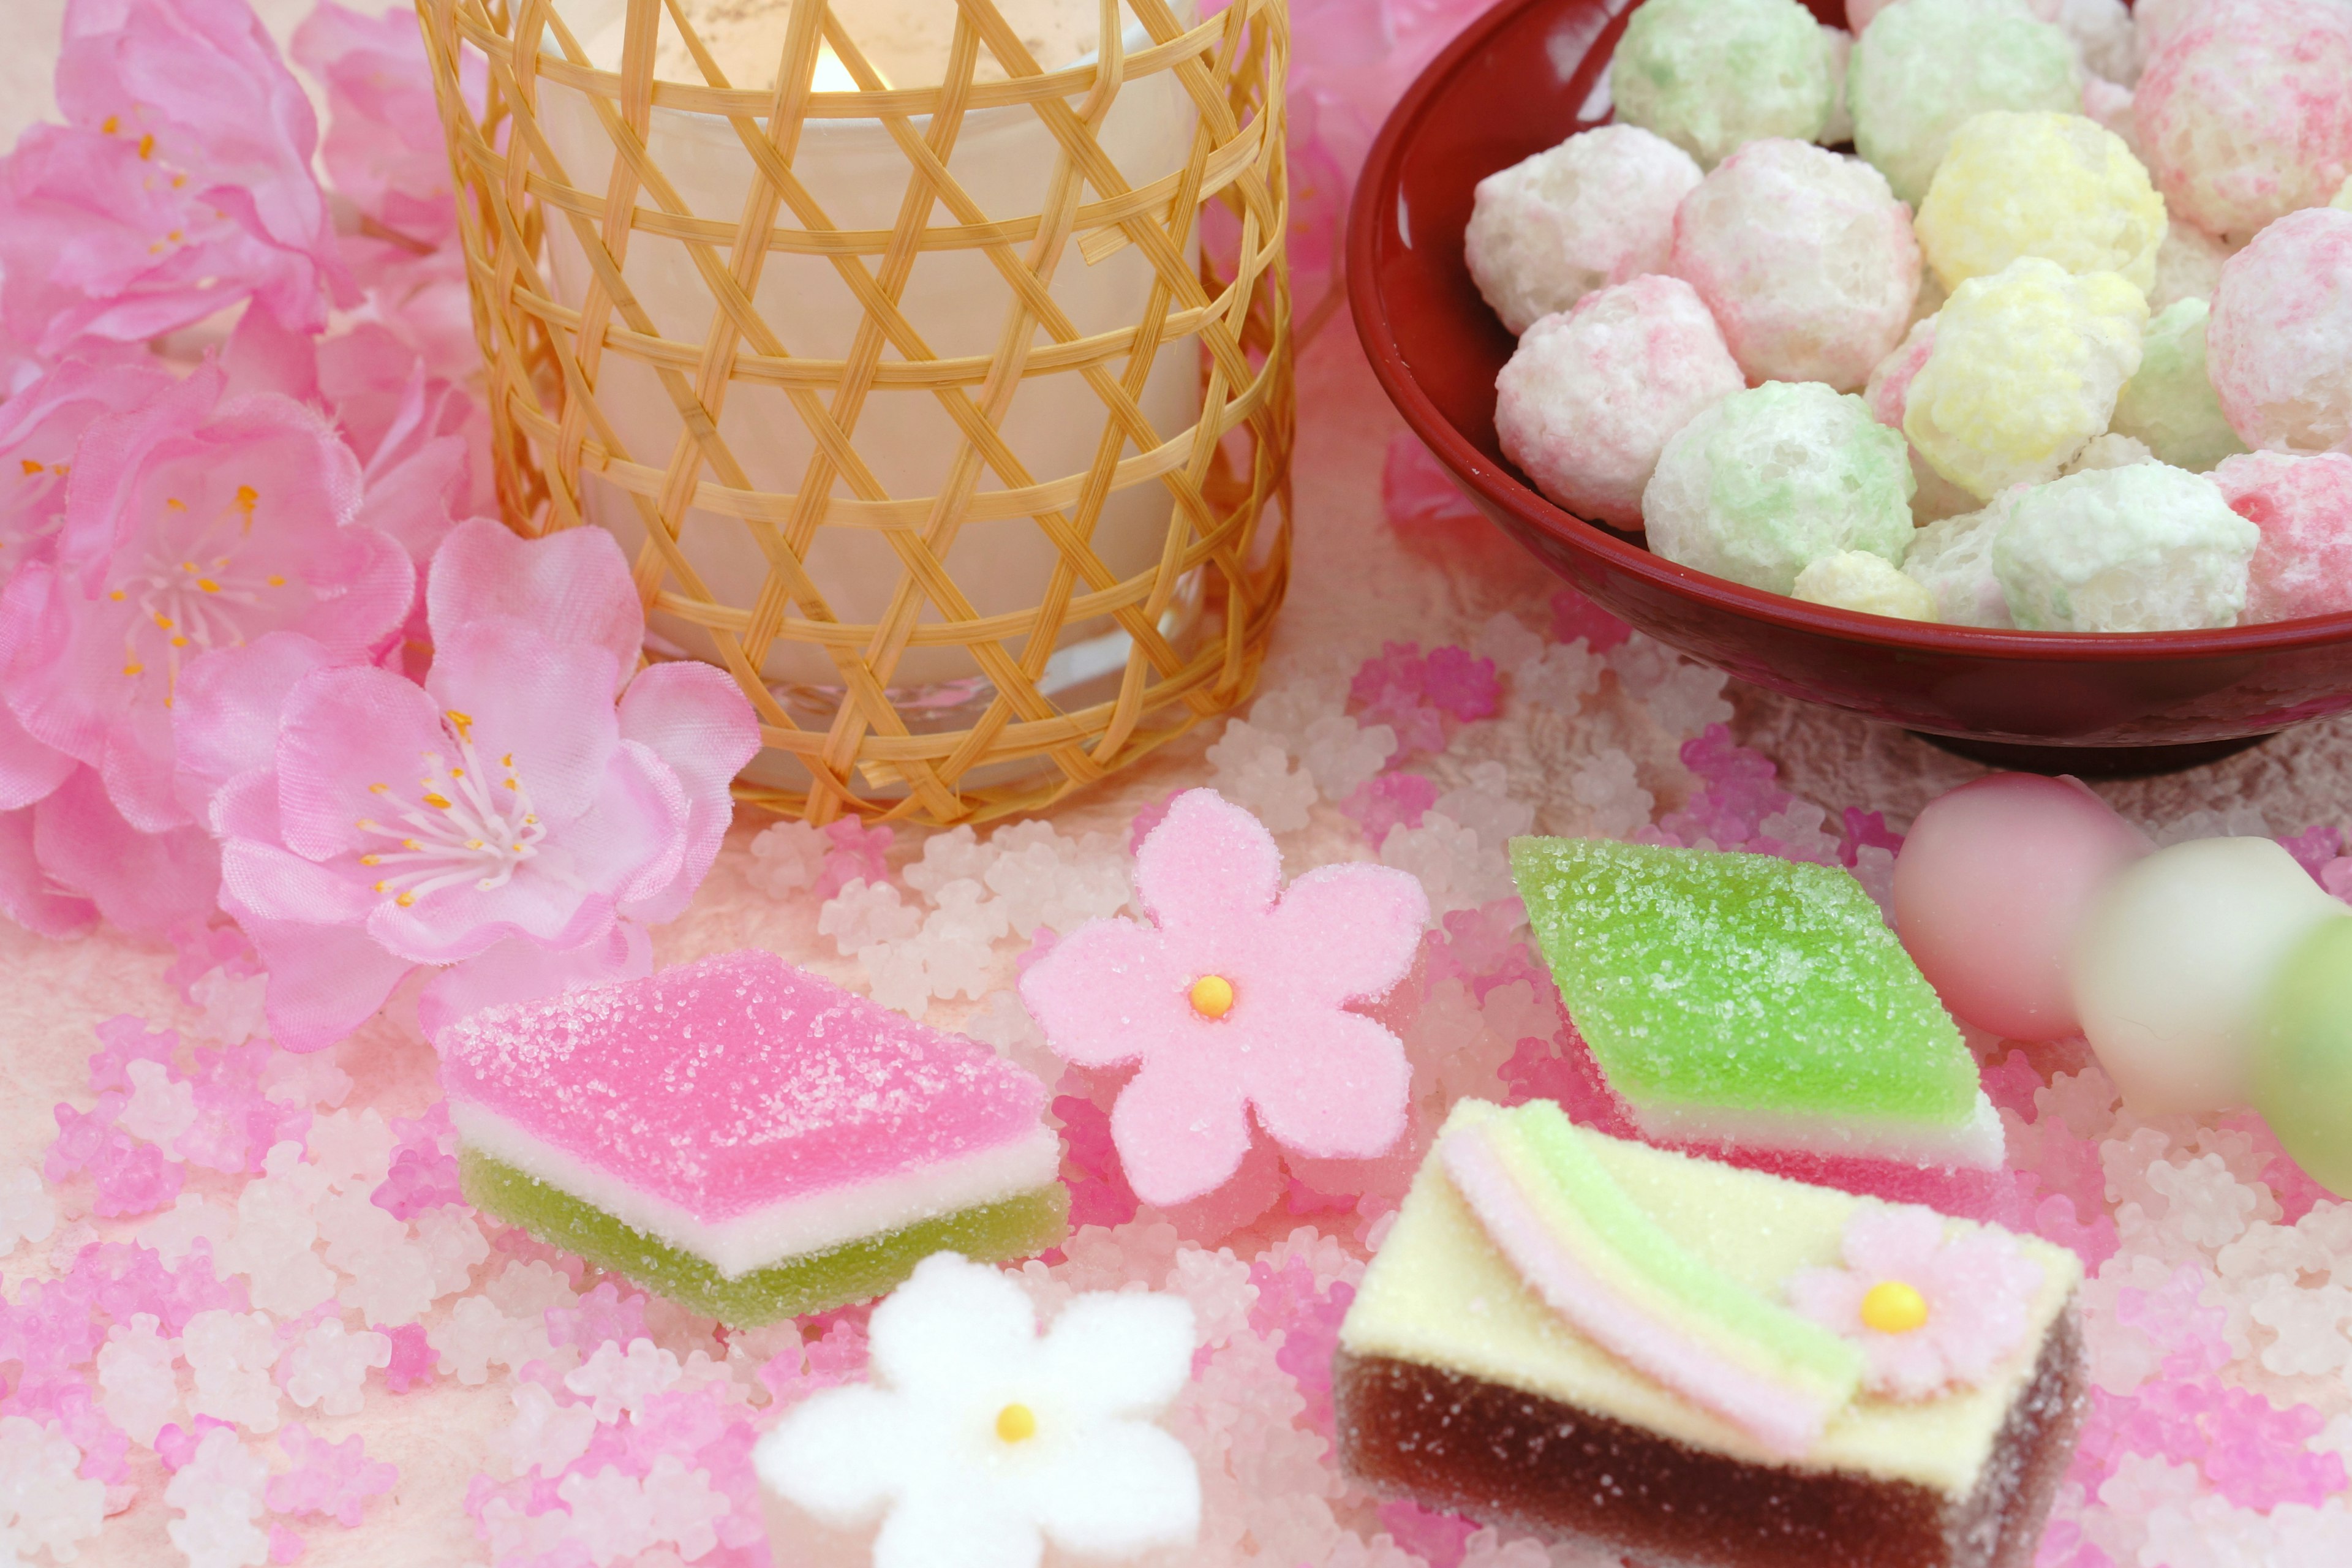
1711 76
2303 1059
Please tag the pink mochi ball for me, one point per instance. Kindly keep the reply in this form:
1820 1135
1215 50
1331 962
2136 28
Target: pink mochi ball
2278 346
2304 507
2245 113
1990 886
1594 394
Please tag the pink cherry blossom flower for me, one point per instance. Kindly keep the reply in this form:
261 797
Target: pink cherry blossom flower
192 523
506 817
179 184
71 859
1236 999
383 149
1929 1310
39 428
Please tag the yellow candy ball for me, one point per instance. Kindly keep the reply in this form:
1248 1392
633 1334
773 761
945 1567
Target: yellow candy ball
1891 1306
2058 186
1213 996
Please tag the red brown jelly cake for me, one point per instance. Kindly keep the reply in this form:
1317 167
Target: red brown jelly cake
1668 1359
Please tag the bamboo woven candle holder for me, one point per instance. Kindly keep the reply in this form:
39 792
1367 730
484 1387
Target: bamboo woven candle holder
562 177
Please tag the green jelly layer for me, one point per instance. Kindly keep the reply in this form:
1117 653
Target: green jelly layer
856 1270
1741 983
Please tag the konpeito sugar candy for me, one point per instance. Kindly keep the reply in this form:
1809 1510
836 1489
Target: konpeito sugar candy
2025 369
2245 115
2171 403
2304 507
2279 346
1590 397
1595 210
1767 481
1806 258
1925 67
2147 548
1711 75
2039 184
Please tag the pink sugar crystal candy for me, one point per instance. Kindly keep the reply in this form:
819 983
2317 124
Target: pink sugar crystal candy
1990 886
413 1357
744 1111
855 856
1573 615
1390 800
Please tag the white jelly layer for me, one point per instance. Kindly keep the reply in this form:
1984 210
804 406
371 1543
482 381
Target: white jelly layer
790 1227
1977 1143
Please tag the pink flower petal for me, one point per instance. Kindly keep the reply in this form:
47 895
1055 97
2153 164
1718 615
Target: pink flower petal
224 715
342 734
29 895
1353 931
325 981
1208 865
573 586
697 721
274 885
540 708
519 970
143 882
1107 993
28 770
1330 1084
1181 1126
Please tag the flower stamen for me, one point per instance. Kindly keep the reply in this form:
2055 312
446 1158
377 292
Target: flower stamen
456 831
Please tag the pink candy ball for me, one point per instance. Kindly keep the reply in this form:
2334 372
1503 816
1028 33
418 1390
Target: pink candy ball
2304 507
1594 394
1990 888
2245 113
2278 347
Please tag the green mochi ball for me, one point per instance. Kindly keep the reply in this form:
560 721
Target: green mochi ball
2302 1062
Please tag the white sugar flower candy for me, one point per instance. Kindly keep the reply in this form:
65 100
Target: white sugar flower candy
978 1440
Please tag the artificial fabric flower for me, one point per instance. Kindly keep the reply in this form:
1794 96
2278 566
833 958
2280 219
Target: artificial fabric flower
506 810
179 184
979 1441
1235 1000
194 522
1930 1309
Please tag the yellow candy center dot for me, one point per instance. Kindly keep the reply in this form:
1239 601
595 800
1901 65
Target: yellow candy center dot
1016 1424
1894 1307
1213 996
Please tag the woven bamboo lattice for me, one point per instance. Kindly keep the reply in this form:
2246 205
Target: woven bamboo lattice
610 297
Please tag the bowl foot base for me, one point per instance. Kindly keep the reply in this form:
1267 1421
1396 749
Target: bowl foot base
2093 762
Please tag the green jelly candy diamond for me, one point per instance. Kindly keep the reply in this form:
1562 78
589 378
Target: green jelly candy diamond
856 1270
1742 984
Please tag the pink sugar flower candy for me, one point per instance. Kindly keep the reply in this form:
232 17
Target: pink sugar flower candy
1929 1310
1236 999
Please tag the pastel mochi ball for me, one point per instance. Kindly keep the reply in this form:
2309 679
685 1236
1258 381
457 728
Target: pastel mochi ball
1805 257
1991 887
2245 114
2024 371
1590 397
2303 508
1595 210
1765 483
2147 548
2279 345
2302 1070
2039 183
1711 76
1925 67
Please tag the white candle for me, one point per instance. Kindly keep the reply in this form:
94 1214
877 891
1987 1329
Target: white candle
955 299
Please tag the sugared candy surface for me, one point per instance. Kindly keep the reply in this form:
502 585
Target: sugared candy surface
2169 404
2175 961
2279 346
1710 76
1595 210
1990 889
1804 257
2144 548
2303 508
1924 67
1857 580
2039 183
1767 480
2303 1055
1590 399
1952 558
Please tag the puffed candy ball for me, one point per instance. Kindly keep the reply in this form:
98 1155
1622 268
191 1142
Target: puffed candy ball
1925 67
1952 558
1991 888
2169 404
1857 580
2279 346
2025 369
1588 400
2108 451
2304 507
1805 257
1711 75
1839 127
1888 389
2101 29
2037 183
1767 482
2147 548
2188 265
2246 115
2175 961
2301 1076
1595 210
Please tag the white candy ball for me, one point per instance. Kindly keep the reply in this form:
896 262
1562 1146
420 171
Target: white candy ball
2173 964
1595 210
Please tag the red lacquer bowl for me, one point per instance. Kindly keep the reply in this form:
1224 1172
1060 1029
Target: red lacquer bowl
1521 78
